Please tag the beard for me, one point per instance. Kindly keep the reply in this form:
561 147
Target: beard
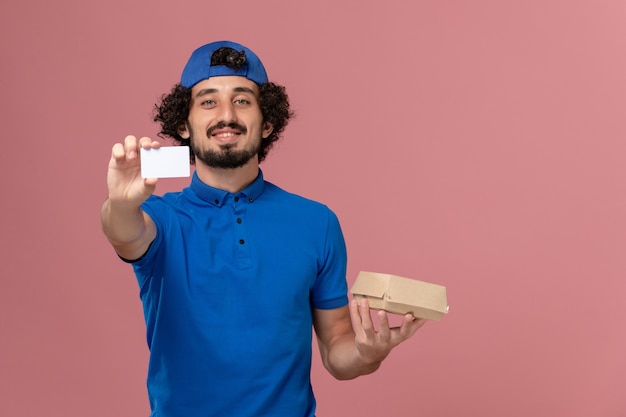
226 157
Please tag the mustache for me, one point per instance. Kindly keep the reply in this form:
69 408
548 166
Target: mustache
231 125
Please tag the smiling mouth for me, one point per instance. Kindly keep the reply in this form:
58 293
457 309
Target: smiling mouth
226 132
226 138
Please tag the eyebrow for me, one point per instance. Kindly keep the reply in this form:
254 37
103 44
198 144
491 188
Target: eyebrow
207 91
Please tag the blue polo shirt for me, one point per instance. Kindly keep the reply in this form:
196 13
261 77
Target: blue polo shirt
228 287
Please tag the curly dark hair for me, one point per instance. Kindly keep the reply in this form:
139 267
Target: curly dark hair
172 111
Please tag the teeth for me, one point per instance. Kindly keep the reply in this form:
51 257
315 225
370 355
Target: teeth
225 135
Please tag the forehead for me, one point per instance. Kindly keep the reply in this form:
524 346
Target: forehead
225 84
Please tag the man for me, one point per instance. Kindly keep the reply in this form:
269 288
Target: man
233 271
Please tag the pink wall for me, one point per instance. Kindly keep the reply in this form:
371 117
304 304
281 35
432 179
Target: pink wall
476 144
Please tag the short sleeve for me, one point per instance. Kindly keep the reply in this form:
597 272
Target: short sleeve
331 289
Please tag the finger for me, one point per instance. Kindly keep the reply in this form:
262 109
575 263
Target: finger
147 143
150 183
118 152
366 319
410 325
130 147
355 318
383 325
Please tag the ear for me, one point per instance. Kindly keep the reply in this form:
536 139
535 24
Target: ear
267 129
183 131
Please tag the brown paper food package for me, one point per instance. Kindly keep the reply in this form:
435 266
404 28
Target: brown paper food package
400 295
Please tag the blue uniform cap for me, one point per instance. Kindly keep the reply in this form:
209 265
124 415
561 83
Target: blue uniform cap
199 67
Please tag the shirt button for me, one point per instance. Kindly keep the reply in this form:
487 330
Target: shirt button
217 201
239 221
250 199
236 199
241 241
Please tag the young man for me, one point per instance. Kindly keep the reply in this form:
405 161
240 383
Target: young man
233 271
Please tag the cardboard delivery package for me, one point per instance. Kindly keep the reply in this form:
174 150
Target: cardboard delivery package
400 295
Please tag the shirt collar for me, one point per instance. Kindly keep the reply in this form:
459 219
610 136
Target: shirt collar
217 197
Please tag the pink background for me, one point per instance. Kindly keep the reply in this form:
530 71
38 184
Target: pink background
475 144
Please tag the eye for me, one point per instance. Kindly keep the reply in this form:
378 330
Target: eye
242 101
208 103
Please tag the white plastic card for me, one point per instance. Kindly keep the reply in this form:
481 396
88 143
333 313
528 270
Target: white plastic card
165 162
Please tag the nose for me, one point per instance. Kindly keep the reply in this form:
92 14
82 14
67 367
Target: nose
226 112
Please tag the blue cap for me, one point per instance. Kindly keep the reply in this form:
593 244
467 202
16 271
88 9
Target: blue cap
199 67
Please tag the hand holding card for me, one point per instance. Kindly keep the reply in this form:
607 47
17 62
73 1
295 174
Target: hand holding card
165 162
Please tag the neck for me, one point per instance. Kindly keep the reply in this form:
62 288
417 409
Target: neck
231 180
